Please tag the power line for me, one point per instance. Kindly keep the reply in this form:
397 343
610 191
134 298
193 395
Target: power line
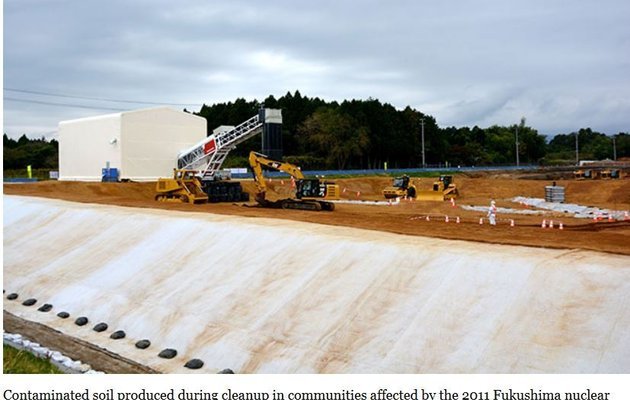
63 104
98 98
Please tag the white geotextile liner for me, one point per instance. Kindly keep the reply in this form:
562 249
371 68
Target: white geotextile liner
570 210
262 295
576 210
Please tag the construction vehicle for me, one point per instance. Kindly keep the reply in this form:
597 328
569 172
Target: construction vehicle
206 157
184 187
400 187
605 174
311 193
581 174
443 189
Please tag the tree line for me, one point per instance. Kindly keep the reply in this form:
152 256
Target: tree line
365 134
38 153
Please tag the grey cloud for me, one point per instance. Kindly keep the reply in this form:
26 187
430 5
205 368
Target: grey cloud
466 63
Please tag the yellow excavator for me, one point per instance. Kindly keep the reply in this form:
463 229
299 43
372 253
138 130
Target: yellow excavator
443 189
184 187
311 193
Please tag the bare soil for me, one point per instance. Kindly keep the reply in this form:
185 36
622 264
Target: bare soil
407 217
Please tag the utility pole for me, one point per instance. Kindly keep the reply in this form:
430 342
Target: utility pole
517 162
614 149
522 125
424 164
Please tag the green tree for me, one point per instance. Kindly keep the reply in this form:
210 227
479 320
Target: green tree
622 144
335 135
37 153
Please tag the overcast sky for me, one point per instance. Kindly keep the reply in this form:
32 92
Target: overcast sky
563 65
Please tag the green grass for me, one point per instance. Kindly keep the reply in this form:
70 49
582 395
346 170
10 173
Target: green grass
22 362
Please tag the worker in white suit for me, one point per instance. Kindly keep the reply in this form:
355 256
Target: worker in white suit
492 213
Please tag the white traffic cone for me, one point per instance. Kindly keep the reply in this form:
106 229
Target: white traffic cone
480 221
427 218
446 219
457 220
561 227
512 222
551 224
544 224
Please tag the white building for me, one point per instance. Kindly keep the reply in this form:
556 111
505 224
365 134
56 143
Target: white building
142 144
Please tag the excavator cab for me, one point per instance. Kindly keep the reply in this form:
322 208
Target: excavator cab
313 188
309 188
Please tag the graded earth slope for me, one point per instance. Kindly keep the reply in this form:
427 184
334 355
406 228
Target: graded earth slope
265 295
